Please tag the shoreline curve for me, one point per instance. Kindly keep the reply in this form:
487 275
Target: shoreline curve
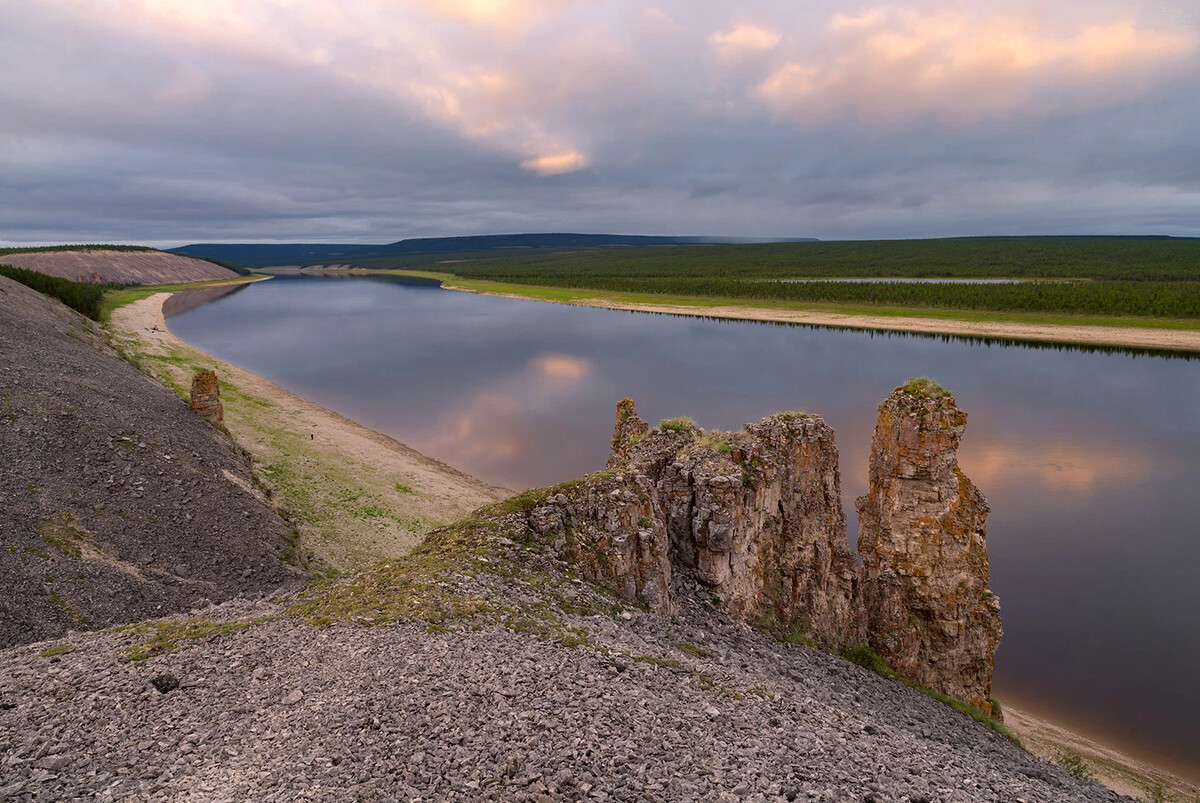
1152 339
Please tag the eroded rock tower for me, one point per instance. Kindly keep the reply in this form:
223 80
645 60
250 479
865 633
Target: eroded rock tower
922 537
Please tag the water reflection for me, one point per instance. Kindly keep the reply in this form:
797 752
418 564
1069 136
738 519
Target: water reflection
1089 456
497 426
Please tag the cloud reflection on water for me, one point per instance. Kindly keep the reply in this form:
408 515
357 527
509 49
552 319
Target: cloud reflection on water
489 430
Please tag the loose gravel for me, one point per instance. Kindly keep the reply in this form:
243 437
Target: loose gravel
688 709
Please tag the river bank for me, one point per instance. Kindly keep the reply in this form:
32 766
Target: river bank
356 496
1132 769
939 323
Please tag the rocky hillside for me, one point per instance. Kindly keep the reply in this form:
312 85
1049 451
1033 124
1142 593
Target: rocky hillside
482 668
119 503
591 641
122 267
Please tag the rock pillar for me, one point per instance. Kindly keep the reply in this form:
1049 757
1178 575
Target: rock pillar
206 397
922 537
627 432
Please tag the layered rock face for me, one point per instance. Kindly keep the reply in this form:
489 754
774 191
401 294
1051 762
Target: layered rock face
753 519
929 611
206 397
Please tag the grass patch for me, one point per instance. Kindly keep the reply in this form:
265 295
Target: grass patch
1074 763
681 424
57 649
715 441
63 532
924 386
166 637
694 650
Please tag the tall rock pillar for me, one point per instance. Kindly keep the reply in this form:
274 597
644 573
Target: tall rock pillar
924 585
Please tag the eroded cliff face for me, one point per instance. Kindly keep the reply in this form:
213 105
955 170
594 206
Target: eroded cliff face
929 611
752 519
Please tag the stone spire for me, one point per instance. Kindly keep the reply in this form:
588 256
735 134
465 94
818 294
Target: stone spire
206 397
628 431
924 581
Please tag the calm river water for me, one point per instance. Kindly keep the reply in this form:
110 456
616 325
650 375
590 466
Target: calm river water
1090 459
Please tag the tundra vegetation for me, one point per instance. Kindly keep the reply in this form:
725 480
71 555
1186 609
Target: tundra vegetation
1139 278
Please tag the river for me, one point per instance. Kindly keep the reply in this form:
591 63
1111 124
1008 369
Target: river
1090 458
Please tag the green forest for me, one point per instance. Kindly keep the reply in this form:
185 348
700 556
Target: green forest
82 297
1095 276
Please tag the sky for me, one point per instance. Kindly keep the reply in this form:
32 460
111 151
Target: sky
176 121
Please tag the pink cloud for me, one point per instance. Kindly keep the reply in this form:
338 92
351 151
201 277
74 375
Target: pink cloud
890 66
744 39
556 163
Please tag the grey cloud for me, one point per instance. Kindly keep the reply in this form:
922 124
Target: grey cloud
108 134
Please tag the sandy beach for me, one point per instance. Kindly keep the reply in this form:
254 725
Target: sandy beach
1117 336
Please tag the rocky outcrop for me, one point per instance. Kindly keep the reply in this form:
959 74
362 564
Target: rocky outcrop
752 520
922 534
206 397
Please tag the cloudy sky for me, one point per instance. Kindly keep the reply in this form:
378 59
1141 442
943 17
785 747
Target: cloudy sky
171 121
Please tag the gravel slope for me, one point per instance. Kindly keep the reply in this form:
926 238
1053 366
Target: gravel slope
124 267
285 711
118 502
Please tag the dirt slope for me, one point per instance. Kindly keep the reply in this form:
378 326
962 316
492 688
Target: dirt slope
118 502
123 267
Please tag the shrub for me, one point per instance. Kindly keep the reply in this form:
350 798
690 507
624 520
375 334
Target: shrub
1074 763
716 441
80 296
867 658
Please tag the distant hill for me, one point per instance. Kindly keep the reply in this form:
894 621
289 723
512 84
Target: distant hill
123 266
259 255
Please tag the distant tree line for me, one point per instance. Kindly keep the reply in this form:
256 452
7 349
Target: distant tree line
1147 299
83 297
238 269
93 247
1100 258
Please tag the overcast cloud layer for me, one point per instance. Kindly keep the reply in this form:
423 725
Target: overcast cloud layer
372 120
